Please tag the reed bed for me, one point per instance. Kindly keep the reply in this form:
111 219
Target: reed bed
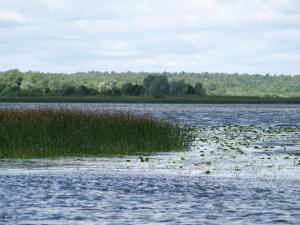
39 133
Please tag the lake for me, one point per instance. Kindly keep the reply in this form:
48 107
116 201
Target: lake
244 168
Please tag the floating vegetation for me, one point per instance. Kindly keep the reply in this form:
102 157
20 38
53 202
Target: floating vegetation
54 133
242 139
247 149
144 159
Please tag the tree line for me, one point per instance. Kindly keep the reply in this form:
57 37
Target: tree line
14 82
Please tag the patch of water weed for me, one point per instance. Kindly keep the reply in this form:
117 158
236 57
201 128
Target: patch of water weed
143 159
54 133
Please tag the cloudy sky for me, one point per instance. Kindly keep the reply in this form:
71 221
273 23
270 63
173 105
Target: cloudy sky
257 36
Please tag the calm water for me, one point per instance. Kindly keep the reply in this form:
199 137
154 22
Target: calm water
213 183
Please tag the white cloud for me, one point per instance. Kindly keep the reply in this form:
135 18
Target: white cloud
11 17
193 35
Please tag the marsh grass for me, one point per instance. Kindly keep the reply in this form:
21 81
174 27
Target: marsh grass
42 133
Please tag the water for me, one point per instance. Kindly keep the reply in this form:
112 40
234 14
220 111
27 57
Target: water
235 174
196 114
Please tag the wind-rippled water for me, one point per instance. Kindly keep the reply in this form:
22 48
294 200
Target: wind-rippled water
230 176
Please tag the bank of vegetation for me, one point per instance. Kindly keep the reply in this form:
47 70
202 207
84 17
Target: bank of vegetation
38 84
43 133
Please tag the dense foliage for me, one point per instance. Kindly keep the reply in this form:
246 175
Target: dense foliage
16 83
52 133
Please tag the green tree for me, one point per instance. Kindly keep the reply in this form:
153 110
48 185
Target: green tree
199 89
181 88
132 89
156 85
83 90
11 82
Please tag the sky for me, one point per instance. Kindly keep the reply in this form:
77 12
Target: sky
234 36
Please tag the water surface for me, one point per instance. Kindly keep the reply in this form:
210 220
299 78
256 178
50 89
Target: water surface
234 174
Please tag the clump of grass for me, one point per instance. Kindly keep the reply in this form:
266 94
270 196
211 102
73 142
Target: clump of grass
54 133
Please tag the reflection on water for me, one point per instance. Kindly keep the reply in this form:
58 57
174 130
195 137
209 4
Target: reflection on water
235 174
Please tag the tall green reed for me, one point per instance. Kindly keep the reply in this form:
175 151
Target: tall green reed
39 133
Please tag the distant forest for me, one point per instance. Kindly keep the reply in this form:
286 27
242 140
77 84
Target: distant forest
16 83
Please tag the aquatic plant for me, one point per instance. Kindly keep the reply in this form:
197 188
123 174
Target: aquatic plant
63 132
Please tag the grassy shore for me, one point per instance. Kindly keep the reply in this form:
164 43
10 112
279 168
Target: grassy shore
55 133
167 99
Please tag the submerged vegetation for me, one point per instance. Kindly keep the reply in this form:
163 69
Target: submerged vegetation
61 132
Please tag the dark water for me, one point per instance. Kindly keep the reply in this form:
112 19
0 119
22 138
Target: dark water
38 193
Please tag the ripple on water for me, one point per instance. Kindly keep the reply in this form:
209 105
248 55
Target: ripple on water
70 197
171 188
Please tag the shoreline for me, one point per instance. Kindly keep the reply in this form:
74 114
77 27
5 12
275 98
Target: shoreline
143 99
